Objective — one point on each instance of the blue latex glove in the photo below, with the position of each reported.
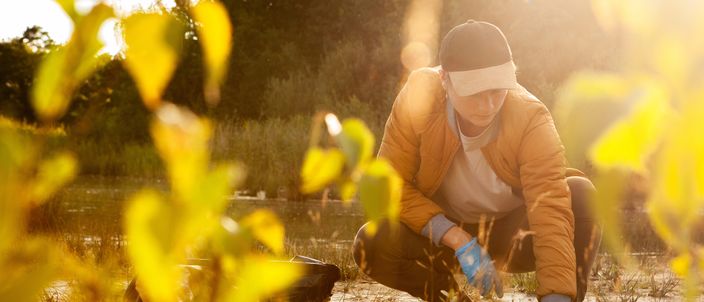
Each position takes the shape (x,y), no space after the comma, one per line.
(479,269)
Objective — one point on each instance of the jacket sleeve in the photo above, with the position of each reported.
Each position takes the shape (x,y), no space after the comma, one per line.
(400,146)
(542,173)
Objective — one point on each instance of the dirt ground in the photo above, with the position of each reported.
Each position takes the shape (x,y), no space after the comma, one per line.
(366,290)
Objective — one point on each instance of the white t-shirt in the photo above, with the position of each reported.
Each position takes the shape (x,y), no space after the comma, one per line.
(470,187)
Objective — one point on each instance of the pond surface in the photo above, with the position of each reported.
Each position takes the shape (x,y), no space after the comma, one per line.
(92,207)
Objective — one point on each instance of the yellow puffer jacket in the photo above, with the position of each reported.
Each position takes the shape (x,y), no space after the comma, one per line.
(527,154)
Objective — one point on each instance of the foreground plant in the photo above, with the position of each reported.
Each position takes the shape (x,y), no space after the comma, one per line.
(645,118)
(163,229)
(351,165)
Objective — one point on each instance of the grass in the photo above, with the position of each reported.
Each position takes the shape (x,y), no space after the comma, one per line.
(132,159)
(31,129)
(91,208)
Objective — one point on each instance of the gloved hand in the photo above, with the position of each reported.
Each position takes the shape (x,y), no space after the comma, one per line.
(479,269)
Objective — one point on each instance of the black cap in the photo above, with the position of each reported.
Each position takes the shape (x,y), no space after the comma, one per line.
(473,45)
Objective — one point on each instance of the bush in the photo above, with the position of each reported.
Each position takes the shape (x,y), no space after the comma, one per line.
(271,150)
(354,71)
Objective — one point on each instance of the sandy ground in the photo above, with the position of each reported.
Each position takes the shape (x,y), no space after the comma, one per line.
(365,290)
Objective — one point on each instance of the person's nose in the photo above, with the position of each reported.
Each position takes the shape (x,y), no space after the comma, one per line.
(486,105)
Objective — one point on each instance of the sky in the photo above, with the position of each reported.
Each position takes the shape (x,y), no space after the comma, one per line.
(17,15)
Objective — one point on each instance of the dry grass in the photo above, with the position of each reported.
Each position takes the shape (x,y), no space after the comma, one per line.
(85,221)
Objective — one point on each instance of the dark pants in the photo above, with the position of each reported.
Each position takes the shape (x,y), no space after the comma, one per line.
(399,258)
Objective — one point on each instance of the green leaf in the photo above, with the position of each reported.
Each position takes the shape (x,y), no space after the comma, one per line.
(154,43)
(266,228)
(380,191)
(152,230)
(260,278)
(53,174)
(356,142)
(64,69)
(320,168)
(215,35)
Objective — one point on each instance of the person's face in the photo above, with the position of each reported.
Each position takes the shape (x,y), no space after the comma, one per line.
(479,108)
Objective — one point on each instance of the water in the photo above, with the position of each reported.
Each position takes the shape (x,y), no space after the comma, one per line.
(92,208)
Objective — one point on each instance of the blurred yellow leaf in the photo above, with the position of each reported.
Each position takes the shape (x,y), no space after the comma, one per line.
(380,191)
(152,230)
(64,69)
(16,152)
(206,201)
(70,8)
(153,46)
(692,143)
(27,269)
(260,278)
(672,60)
(320,167)
(181,138)
(677,197)
(357,142)
(52,175)
(631,140)
(682,264)
(215,35)
(594,99)
(662,40)
(266,228)
(606,207)
(231,239)
(211,194)
(666,223)
(348,189)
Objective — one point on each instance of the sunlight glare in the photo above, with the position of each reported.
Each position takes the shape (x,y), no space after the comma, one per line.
(421,33)
(111,36)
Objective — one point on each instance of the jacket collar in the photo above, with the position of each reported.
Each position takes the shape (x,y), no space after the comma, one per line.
(451,118)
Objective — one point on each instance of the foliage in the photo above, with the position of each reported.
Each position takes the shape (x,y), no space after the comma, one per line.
(650,112)
(162,230)
(347,62)
(75,61)
(272,149)
(352,166)
(26,181)
(18,60)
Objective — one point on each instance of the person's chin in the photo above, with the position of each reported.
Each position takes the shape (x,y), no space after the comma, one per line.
(482,121)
